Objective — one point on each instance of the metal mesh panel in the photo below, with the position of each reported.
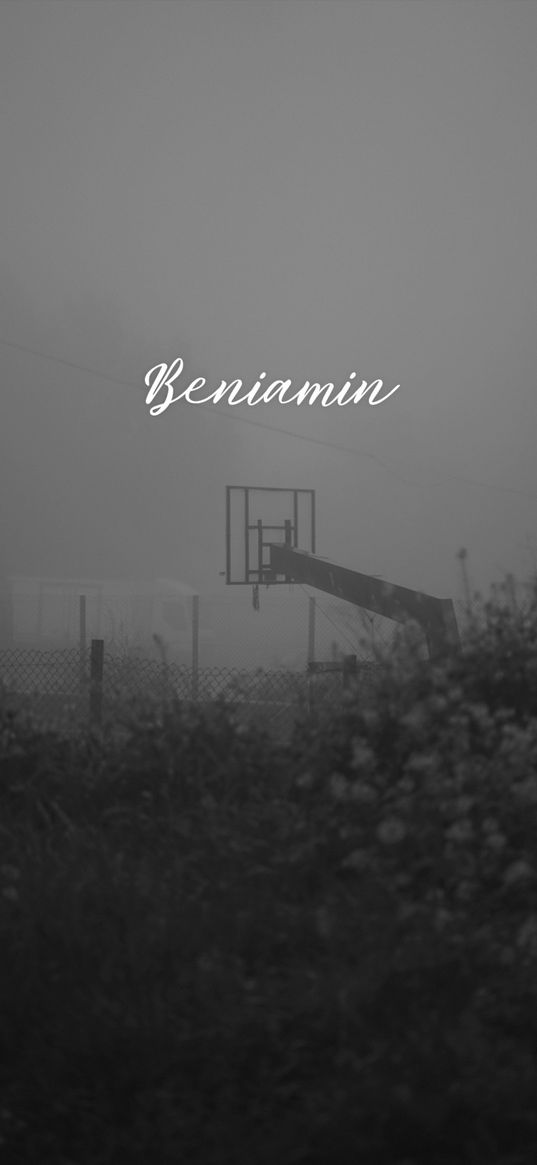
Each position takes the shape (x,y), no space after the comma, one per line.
(55,687)
(51,685)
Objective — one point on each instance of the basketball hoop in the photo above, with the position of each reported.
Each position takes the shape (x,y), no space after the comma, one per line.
(259,517)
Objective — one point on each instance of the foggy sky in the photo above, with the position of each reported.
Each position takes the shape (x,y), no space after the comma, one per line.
(297,187)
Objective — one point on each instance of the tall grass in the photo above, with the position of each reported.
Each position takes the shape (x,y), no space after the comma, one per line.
(221,949)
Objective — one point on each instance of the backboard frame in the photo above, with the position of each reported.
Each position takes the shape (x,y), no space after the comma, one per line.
(264,533)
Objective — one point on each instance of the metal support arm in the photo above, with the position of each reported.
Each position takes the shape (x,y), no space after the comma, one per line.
(435,616)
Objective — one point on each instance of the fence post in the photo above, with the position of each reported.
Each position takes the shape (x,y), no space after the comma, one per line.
(82,638)
(311,629)
(165,685)
(349,669)
(311,648)
(195,644)
(96,680)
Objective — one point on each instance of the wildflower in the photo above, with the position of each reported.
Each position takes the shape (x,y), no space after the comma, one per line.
(305,781)
(463,805)
(490,825)
(11,893)
(362,755)
(414,720)
(504,715)
(526,790)
(442,919)
(480,714)
(438,704)
(456,694)
(495,841)
(357,860)
(364,792)
(391,831)
(10,873)
(460,831)
(339,787)
(422,763)
(527,935)
(369,718)
(519,871)
(464,891)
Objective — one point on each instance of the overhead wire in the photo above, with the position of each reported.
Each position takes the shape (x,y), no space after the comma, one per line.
(341,631)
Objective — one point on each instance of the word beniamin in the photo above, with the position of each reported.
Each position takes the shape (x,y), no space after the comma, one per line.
(161,378)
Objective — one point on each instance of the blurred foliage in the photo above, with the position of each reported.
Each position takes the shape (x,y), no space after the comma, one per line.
(220,948)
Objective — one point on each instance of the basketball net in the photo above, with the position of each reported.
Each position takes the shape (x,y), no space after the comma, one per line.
(255,597)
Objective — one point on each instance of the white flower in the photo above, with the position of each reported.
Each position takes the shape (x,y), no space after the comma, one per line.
(456,694)
(519,871)
(438,704)
(421,763)
(460,831)
(369,718)
(480,714)
(495,841)
(415,720)
(391,831)
(526,790)
(305,781)
(362,755)
(442,918)
(339,787)
(463,805)
(362,791)
(527,935)
(357,860)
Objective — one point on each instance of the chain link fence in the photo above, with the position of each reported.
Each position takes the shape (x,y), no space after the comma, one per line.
(69,689)
(256,658)
(277,628)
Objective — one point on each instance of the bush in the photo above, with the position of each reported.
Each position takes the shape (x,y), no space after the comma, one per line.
(222,949)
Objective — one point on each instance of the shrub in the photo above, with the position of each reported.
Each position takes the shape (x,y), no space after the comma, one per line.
(222,949)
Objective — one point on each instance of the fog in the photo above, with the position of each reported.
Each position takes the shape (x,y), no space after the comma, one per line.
(301,189)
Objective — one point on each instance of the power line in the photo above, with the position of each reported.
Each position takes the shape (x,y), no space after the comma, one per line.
(68,363)
(278,429)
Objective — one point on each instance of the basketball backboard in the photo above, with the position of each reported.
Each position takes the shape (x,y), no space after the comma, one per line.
(258,516)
